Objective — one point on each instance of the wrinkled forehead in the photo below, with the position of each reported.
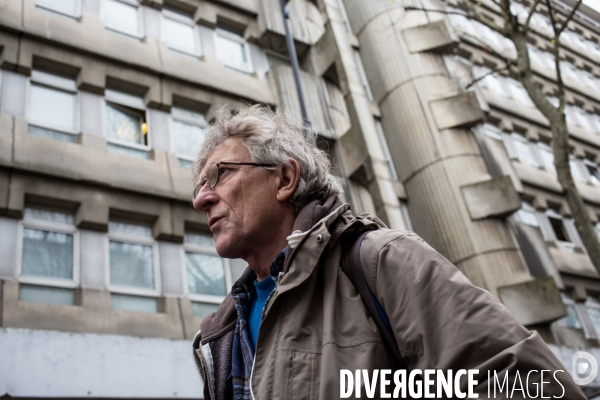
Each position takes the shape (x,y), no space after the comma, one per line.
(231,149)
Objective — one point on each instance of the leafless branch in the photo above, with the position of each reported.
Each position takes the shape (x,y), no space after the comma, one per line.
(559,82)
(482,77)
(569,18)
(531,12)
(551,14)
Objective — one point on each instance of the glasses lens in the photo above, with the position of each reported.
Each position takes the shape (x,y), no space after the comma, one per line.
(212,175)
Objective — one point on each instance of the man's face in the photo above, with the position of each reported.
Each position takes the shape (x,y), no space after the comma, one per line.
(242,207)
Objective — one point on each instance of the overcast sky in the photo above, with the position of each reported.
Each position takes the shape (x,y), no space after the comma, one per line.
(595,4)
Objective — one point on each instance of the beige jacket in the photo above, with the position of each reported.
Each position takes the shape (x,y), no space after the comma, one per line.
(315,324)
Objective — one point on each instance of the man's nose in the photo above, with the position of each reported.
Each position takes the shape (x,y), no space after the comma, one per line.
(205,199)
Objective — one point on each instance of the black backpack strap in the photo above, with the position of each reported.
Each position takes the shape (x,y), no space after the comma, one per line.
(351,266)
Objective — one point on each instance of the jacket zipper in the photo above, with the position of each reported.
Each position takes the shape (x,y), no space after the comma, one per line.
(201,366)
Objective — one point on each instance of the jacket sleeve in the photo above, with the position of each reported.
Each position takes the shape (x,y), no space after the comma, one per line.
(442,321)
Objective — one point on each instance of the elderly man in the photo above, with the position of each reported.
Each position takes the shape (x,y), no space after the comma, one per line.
(294,319)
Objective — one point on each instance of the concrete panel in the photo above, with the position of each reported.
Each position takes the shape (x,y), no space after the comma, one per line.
(207,41)
(494,198)
(13,94)
(171,267)
(536,177)
(152,22)
(70,365)
(9,55)
(533,302)
(434,36)
(90,8)
(40,154)
(6,139)
(8,247)
(91,113)
(159,129)
(90,33)
(93,314)
(10,14)
(572,262)
(457,111)
(93,259)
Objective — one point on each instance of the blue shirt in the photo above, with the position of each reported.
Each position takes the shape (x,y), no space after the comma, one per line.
(257,303)
(258,298)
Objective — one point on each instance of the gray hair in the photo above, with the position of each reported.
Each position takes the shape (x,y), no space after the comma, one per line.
(273,137)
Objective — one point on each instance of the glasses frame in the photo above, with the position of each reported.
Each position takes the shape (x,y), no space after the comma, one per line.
(219,163)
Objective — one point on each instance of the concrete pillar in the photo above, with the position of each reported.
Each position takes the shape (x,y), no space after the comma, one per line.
(433,163)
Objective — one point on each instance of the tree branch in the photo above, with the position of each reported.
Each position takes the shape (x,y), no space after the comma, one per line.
(531,12)
(486,75)
(569,18)
(559,82)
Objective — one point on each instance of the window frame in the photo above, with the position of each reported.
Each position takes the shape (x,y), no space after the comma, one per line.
(188,120)
(517,137)
(189,21)
(124,99)
(362,75)
(385,148)
(141,29)
(591,164)
(133,239)
(208,250)
(49,7)
(30,223)
(236,38)
(46,80)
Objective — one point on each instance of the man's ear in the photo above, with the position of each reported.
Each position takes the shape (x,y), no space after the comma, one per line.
(288,180)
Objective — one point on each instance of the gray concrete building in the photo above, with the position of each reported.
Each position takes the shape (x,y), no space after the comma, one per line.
(105,268)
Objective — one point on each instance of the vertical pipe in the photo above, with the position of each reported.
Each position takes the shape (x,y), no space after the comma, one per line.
(295,67)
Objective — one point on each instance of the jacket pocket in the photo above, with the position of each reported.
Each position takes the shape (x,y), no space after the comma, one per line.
(305,375)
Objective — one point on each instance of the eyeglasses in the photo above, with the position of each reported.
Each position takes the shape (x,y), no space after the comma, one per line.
(213,173)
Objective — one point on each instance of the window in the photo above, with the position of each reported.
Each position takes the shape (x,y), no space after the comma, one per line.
(53,107)
(189,132)
(208,276)
(125,123)
(546,156)
(571,320)
(492,82)
(406,215)
(593,171)
(577,170)
(71,8)
(525,150)
(122,16)
(385,149)
(179,31)
(592,308)
(133,266)
(527,215)
(556,222)
(362,75)
(48,267)
(232,50)
(518,92)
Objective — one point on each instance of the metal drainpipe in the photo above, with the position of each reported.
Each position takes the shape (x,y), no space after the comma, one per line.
(295,67)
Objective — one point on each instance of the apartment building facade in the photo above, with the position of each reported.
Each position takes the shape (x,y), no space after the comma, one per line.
(106,270)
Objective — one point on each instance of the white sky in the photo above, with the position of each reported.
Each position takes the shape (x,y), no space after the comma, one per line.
(595,4)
